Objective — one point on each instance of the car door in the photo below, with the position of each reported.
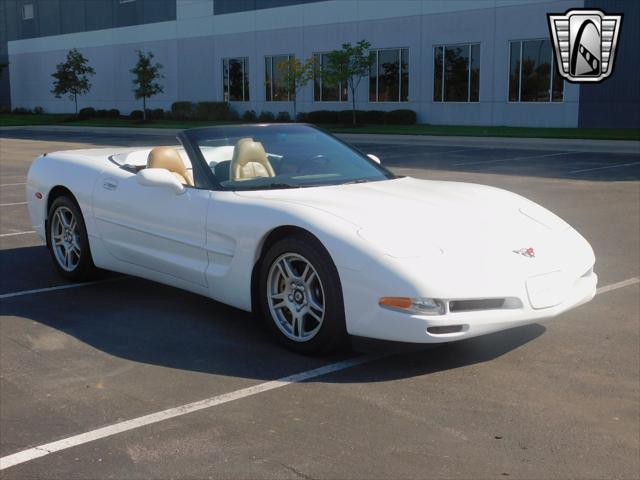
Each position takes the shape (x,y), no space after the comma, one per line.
(153,227)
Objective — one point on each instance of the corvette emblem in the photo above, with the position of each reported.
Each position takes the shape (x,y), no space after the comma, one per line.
(526,252)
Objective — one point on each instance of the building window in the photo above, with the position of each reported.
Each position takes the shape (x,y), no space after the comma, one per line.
(276,87)
(532,76)
(28,11)
(235,79)
(389,76)
(323,92)
(456,73)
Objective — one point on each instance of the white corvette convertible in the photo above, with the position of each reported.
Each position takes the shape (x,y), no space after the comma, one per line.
(318,238)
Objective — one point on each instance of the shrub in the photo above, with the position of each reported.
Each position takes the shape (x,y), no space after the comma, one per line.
(21,111)
(38,110)
(214,111)
(283,117)
(395,117)
(335,116)
(249,116)
(113,113)
(303,117)
(101,113)
(401,117)
(345,117)
(155,114)
(136,115)
(266,117)
(182,110)
(5,109)
(375,117)
(323,116)
(87,112)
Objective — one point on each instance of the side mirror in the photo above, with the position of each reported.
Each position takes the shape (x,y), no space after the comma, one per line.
(374,158)
(160,177)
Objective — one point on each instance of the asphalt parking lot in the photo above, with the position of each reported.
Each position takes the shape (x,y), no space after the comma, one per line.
(553,400)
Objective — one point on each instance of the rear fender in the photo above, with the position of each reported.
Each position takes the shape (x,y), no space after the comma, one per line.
(77,173)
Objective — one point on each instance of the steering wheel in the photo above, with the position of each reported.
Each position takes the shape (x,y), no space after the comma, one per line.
(314,159)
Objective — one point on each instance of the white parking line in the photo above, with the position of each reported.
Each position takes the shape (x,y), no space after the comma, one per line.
(53,289)
(11,184)
(616,286)
(16,233)
(604,168)
(46,449)
(11,204)
(109,430)
(483,162)
(443,152)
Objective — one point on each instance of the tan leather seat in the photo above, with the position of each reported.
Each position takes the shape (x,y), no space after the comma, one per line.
(169,159)
(249,161)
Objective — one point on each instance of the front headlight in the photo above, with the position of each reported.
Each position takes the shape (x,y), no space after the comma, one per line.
(416,306)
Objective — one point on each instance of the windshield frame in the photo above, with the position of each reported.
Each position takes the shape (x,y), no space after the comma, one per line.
(203,174)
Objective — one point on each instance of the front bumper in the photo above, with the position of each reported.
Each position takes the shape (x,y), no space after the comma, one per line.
(398,326)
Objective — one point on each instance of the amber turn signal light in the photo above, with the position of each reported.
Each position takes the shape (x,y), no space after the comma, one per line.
(418,306)
(395,302)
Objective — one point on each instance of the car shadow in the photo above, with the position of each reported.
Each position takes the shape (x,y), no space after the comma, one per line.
(149,323)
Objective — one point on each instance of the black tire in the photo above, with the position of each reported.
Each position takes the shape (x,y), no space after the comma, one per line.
(85,269)
(332,333)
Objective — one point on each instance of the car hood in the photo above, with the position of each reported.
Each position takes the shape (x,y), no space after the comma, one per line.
(412,218)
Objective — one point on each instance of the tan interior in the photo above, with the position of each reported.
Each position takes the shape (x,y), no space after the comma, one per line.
(249,161)
(169,159)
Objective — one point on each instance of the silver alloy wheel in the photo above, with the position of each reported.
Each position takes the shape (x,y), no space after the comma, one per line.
(65,239)
(296,297)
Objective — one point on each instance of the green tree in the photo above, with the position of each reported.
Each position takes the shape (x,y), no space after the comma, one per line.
(146,73)
(296,75)
(349,66)
(72,77)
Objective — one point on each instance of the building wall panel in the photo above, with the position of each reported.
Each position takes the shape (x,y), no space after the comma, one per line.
(616,101)
(192,47)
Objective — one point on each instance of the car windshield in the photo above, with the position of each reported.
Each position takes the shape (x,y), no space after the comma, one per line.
(258,157)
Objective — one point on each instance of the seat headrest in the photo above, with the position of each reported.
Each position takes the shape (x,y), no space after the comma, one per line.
(167,158)
(248,151)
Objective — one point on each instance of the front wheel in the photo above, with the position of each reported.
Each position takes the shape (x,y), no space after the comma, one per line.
(301,296)
(68,241)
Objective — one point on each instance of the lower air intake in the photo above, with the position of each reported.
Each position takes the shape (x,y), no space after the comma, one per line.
(445,329)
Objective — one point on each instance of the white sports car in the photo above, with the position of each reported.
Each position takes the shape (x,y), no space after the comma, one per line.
(317,237)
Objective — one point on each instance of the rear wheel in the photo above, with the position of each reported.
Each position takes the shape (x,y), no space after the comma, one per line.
(68,241)
(301,296)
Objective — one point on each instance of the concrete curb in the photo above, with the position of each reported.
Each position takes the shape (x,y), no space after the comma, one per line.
(97,130)
(570,145)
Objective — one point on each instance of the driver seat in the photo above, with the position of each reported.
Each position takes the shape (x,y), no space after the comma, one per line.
(169,159)
(250,161)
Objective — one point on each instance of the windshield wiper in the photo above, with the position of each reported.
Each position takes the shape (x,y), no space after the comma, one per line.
(283,185)
(270,186)
(359,180)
